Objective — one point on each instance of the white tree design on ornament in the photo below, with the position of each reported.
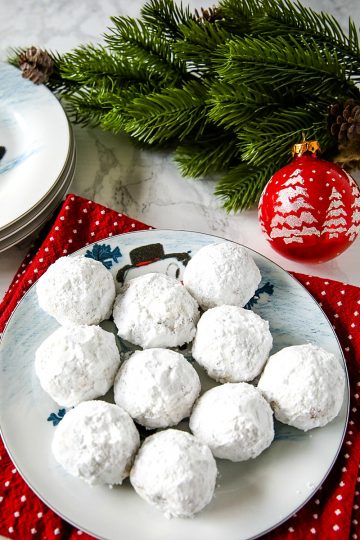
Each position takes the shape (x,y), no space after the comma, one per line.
(355,216)
(334,223)
(292,198)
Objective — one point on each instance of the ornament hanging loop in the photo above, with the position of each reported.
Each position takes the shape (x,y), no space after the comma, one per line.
(305,146)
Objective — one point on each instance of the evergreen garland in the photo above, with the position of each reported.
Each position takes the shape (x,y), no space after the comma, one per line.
(231,90)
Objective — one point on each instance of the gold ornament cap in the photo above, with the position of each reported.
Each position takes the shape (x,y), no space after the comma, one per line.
(305,146)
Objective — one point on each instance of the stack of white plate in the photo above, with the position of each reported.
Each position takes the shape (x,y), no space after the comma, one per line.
(37,156)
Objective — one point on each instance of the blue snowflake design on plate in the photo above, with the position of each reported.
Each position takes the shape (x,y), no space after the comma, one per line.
(56,418)
(104,254)
(268,289)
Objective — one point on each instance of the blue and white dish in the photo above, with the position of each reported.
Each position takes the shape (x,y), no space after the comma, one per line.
(252,497)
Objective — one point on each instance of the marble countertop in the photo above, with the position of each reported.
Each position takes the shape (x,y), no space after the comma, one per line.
(145,185)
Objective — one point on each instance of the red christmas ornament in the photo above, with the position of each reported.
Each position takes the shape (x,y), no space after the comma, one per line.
(310,209)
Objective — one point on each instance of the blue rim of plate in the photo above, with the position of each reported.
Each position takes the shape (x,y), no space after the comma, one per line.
(315,489)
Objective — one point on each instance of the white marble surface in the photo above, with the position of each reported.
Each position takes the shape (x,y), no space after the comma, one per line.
(143,184)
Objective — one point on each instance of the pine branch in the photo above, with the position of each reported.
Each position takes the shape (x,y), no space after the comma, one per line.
(101,86)
(240,188)
(238,15)
(99,107)
(285,17)
(198,41)
(165,16)
(233,106)
(90,65)
(174,113)
(269,139)
(353,38)
(94,66)
(132,39)
(85,107)
(116,109)
(57,83)
(13,59)
(234,93)
(290,63)
(210,155)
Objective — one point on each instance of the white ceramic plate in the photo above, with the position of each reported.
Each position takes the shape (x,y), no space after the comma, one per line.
(33,221)
(65,178)
(35,133)
(252,497)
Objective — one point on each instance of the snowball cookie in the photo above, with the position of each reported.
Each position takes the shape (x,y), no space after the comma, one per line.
(304,385)
(175,472)
(96,441)
(77,363)
(155,310)
(222,274)
(231,343)
(234,420)
(77,290)
(157,387)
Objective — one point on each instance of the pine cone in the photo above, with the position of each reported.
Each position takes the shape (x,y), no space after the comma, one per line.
(36,65)
(344,121)
(211,14)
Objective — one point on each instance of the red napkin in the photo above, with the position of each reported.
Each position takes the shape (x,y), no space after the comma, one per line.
(332,513)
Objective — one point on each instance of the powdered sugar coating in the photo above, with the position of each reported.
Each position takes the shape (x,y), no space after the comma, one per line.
(76,290)
(232,343)
(174,472)
(155,310)
(77,363)
(157,387)
(304,385)
(234,420)
(96,441)
(220,274)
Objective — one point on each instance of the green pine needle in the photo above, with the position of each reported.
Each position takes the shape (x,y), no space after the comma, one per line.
(238,15)
(270,139)
(174,113)
(197,44)
(240,188)
(233,106)
(284,63)
(85,107)
(95,66)
(133,39)
(165,16)
(210,155)
(99,107)
(285,17)
(115,109)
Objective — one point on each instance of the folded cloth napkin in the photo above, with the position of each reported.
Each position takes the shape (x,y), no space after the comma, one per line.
(332,513)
